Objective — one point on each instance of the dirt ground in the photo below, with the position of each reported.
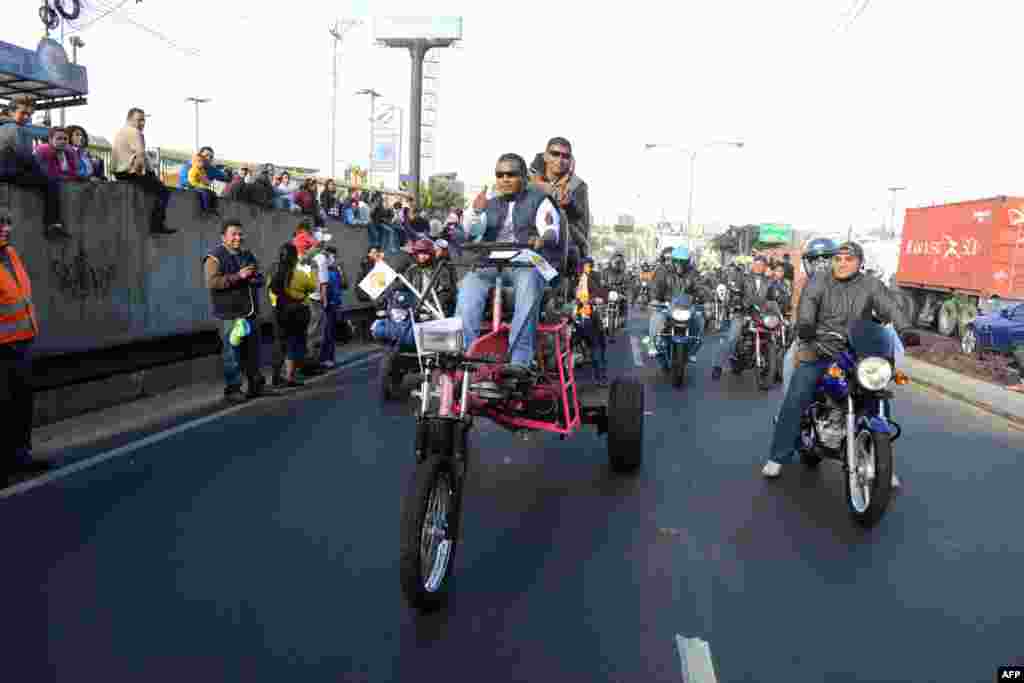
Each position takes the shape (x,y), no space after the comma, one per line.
(945,352)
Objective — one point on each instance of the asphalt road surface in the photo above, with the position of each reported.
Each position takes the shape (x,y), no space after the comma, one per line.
(262,546)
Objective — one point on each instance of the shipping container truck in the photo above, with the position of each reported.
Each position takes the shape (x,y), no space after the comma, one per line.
(953,257)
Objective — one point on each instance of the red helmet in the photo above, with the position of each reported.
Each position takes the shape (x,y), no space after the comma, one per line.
(422,246)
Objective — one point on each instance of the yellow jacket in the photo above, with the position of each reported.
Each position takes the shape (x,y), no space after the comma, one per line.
(197,174)
(302,284)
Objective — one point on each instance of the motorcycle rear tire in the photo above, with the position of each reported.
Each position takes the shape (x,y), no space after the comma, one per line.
(389,383)
(625,425)
(809,459)
(881,490)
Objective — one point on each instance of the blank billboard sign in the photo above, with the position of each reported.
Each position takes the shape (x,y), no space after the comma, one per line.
(412,28)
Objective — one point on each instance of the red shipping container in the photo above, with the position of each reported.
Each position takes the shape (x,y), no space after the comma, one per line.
(975,247)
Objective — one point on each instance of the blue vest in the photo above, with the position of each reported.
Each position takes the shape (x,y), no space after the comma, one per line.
(334,291)
(237,302)
(524,220)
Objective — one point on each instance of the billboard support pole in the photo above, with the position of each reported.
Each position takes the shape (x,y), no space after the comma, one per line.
(417,51)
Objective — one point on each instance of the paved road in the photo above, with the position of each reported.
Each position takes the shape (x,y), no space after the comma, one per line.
(262,547)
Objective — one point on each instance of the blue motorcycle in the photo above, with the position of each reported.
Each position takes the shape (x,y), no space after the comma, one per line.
(394,328)
(680,338)
(850,419)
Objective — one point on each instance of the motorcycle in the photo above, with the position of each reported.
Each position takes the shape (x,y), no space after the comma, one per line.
(612,313)
(675,345)
(850,418)
(717,310)
(643,295)
(756,348)
(394,329)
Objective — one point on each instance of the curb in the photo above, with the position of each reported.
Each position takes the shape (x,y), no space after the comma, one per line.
(964,398)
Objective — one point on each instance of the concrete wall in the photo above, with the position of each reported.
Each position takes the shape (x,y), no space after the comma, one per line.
(115,283)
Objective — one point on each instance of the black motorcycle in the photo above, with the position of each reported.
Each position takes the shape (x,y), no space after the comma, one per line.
(755,348)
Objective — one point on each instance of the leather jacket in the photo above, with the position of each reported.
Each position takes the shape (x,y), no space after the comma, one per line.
(830,305)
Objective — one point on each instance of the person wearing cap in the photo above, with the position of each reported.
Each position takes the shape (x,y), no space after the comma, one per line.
(18,330)
(754,288)
(420,272)
(829,303)
(313,260)
(589,286)
(442,258)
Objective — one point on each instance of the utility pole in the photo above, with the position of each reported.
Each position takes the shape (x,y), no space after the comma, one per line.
(338,31)
(373,101)
(76,43)
(892,209)
(197,101)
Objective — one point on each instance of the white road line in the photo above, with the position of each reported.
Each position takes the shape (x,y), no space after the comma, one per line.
(695,659)
(127,449)
(638,354)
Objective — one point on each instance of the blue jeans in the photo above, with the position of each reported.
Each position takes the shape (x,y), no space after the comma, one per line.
(244,358)
(330,346)
(598,345)
(727,345)
(529,288)
(799,396)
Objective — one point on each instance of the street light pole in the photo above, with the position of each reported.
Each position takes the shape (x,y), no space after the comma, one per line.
(693,168)
(338,31)
(892,209)
(373,101)
(197,101)
(76,43)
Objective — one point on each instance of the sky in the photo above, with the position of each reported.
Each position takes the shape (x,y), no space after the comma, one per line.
(832,113)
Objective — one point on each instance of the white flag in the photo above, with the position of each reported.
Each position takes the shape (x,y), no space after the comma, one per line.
(378,279)
(539,262)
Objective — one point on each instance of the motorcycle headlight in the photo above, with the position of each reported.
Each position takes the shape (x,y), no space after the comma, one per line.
(874,373)
(722,292)
(613,296)
(441,336)
(399,315)
(771,321)
(680,315)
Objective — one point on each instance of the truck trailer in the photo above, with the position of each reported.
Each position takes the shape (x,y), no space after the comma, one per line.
(955,256)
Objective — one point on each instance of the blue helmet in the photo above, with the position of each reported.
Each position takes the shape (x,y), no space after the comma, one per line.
(681,254)
(818,253)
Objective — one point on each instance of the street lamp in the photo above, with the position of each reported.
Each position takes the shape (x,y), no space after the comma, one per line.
(692,152)
(373,101)
(338,31)
(76,43)
(197,101)
(892,209)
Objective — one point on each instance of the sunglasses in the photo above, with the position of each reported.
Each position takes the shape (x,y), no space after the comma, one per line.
(560,155)
(506,174)
(5,220)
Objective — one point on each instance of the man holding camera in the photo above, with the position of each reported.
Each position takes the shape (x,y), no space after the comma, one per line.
(233,277)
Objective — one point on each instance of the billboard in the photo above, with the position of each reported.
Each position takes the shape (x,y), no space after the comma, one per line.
(44,74)
(624,223)
(385,154)
(411,28)
(775,233)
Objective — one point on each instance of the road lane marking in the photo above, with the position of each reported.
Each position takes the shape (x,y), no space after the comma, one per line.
(695,660)
(130,448)
(637,352)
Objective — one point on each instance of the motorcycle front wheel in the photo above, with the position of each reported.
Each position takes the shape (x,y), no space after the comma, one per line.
(429,529)
(766,373)
(869,484)
(679,363)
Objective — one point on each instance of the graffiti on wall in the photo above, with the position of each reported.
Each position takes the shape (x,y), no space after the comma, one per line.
(78,277)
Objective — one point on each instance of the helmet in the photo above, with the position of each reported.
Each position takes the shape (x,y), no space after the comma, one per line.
(817,254)
(666,254)
(422,246)
(852,249)
(681,254)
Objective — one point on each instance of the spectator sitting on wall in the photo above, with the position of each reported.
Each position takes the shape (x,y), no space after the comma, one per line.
(212,172)
(261,190)
(329,199)
(234,188)
(246,175)
(349,212)
(18,164)
(57,158)
(199,180)
(130,165)
(89,166)
(283,192)
(307,201)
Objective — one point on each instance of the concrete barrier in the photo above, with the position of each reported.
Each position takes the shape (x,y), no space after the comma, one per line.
(114,283)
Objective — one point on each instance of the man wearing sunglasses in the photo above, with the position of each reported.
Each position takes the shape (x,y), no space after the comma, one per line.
(522,215)
(830,302)
(554,173)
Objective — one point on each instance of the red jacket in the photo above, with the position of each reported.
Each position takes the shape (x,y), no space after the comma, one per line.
(46,155)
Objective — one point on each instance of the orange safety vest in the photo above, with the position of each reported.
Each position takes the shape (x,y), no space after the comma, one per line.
(17,314)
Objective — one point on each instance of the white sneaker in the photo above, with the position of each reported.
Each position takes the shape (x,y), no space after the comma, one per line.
(771,469)
(328,364)
(896,483)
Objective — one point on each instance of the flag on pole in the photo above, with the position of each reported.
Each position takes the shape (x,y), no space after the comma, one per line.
(378,279)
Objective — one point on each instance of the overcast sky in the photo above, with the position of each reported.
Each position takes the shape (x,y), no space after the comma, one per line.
(912,93)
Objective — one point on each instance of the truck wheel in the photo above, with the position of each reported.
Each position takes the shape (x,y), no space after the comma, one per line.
(947,321)
(625,424)
(910,306)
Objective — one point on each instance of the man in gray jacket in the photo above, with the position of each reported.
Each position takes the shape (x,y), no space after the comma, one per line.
(553,173)
(18,163)
(829,303)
